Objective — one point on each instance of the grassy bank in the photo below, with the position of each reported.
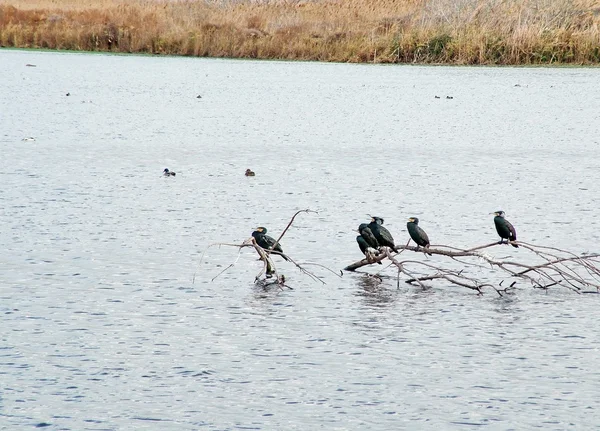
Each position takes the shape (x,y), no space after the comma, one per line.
(385,31)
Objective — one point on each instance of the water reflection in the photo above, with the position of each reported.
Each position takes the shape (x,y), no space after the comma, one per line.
(508,307)
(373,292)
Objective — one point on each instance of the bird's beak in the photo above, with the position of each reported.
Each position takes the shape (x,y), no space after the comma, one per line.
(411,219)
(495,213)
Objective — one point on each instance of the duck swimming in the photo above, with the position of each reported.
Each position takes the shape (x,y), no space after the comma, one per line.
(249,173)
(168,173)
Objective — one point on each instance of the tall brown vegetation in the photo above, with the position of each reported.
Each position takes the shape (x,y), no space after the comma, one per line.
(383,31)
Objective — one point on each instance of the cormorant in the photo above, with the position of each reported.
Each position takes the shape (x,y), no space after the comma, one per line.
(417,234)
(368,236)
(384,237)
(249,173)
(168,173)
(504,228)
(367,242)
(265,241)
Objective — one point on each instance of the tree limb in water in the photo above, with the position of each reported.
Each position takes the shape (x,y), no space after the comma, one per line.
(557,267)
(269,269)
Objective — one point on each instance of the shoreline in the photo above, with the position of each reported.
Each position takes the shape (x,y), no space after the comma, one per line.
(148,55)
(356,31)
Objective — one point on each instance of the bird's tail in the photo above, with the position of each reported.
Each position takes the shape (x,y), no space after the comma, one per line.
(429,254)
(514,245)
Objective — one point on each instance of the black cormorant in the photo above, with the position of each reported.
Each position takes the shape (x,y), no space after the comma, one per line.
(384,237)
(265,241)
(504,228)
(249,173)
(367,242)
(417,234)
(168,173)
(368,236)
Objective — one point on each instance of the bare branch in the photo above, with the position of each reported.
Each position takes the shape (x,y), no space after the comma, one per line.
(558,267)
(290,223)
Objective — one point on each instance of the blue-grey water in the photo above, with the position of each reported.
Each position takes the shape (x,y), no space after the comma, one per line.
(110,320)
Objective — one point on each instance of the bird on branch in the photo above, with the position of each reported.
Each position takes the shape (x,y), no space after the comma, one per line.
(267,242)
(417,234)
(384,237)
(505,229)
(367,242)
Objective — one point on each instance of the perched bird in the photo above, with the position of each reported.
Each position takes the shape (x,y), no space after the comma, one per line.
(504,228)
(367,242)
(265,241)
(168,173)
(417,234)
(249,173)
(384,237)
(367,235)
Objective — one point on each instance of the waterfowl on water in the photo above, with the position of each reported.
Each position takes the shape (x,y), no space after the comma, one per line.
(168,173)
(417,234)
(505,229)
(383,236)
(265,241)
(249,173)
(367,242)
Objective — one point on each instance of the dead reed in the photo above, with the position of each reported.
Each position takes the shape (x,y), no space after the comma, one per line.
(381,31)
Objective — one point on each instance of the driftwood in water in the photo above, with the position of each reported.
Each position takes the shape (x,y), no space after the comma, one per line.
(555,266)
(268,275)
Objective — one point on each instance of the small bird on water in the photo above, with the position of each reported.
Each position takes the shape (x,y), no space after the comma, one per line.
(168,173)
(417,234)
(505,229)
(249,173)
(367,242)
(267,242)
(384,237)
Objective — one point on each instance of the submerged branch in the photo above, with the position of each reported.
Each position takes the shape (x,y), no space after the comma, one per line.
(269,269)
(559,267)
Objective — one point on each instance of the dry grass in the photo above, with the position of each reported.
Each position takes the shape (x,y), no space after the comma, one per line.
(422,31)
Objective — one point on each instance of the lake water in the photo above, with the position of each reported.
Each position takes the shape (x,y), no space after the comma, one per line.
(109,317)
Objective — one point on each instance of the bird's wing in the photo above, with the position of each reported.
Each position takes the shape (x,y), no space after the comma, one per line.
(362,244)
(271,242)
(423,235)
(513,232)
(370,239)
(386,235)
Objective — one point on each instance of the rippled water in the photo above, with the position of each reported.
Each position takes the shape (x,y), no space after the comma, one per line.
(104,328)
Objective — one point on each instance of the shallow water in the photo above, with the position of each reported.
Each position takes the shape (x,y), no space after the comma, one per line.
(110,319)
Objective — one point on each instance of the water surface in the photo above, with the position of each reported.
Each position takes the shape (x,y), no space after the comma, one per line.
(103,327)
